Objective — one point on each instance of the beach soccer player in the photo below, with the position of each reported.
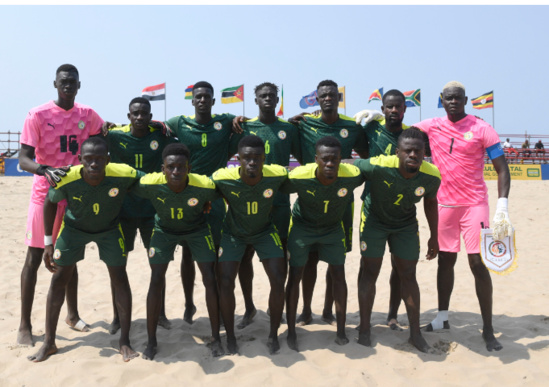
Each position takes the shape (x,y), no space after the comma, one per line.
(250,191)
(179,197)
(324,190)
(52,135)
(397,183)
(94,192)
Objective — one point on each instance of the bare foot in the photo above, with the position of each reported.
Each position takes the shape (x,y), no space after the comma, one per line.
(43,353)
(292,341)
(232,347)
(78,325)
(492,344)
(341,339)
(150,351)
(304,319)
(419,342)
(24,338)
(115,326)
(429,327)
(364,339)
(273,345)
(216,348)
(247,319)
(164,322)
(189,313)
(329,318)
(128,353)
(393,324)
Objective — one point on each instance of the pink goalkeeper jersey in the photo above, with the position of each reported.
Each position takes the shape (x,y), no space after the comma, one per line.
(56,135)
(458,150)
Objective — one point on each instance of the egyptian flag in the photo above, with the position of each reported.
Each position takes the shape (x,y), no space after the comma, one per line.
(413,97)
(377,95)
(281,110)
(154,93)
(232,94)
(484,101)
(189,92)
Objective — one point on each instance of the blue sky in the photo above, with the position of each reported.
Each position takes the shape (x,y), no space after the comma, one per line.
(119,50)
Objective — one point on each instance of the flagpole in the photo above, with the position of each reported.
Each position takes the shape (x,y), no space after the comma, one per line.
(345,99)
(493,111)
(165,98)
(243,101)
(420,112)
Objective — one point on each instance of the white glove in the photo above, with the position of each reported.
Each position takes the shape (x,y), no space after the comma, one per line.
(368,116)
(502,225)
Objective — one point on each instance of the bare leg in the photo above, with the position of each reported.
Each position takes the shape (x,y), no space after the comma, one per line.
(246,277)
(445,284)
(367,295)
(188,274)
(339,291)
(276,271)
(162,319)
(327,315)
(395,297)
(309,280)
(212,303)
(292,298)
(115,323)
(226,274)
(158,282)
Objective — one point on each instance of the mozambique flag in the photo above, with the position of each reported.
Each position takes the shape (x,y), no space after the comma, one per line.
(189,92)
(484,101)
(377,95)
(232,94)
(281,110)
(413,97)
(341,97)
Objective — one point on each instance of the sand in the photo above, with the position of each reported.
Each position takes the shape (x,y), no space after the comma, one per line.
(521,321)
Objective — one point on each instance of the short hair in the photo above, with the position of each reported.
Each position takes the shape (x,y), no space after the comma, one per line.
(393,93)
(140,100)
(413,133)
(328,141)
(95,141)
(265,84)
(457,84)
(327,82)
(204,84)
(67,67)
(252,142)
(176,149)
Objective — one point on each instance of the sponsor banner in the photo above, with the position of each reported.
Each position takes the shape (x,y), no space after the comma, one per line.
(518,172)
(545,172)
(12,168)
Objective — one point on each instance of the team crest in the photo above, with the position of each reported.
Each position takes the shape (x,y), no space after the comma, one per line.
(220,253)
(57,254)
(468,135)
(497,249)
(81,125)
(342,192)
(29,235)
(152,252)
(267,193)
(282,135)
(217,125)
(419,191)
(154,145)
(344,133)
(363,246)
(113,192)
(192,202)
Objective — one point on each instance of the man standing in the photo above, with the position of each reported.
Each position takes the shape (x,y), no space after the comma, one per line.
(52,134)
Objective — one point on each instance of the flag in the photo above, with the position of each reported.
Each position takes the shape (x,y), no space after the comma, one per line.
(281,110)
(189,92)
(377,95)
(440,105)
(308,101)
(484,101)
(413,97)
(154,93)
(232,94)
(342,97)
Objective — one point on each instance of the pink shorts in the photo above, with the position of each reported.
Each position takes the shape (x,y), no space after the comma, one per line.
(35,224)
(453,221)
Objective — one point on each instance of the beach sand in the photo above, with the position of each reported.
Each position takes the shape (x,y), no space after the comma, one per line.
(521,321)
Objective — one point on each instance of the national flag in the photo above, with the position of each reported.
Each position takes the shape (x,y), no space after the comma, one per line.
(232,94)
(342,97)
(440,105)
(189,92)
(308,100)
(484,101)
(413,97)
(377,95)
(281,110)
(154,93)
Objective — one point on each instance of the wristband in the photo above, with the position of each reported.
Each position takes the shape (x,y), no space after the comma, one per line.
(48,240)
(502,204)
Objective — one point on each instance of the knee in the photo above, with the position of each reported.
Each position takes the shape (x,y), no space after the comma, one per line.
(226,283)
(208,279)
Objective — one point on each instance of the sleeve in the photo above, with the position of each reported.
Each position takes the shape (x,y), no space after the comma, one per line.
(233,143)
(366,168)
(288,186)
(173,124)
(56,195)
(213,194)
(31,133)
(361,142)
(433,189)
(96,123)
(141,190)
(134,182)
(491,143)
(424,125)
(295,149)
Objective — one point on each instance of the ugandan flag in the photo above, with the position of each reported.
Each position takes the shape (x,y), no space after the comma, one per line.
(232,94)
(413,97)
(189,92)
(484,101)
(377,95)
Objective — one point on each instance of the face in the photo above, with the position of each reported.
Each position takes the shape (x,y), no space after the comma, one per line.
(328,160)
(94,159)
(176,168)
(393,108)
(251,161)
(328,98)
(266,98)
(454,101)
(203,100)
(67,84)
(140,115)
(410,154)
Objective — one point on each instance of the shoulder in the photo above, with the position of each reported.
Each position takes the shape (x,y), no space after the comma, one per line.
(274,170)
(153,179)
(348,170)
(306,171)
(429,169)
(201,181)
(385,161)
(41,108)
(120,129)
(72,175)
(347,120)
(119,170)
(226,174)
(83,107)
(223,117)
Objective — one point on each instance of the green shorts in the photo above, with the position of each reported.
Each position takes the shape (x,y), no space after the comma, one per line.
(348,217)
(281,220)
(330,245)
(71,243)
(215,219)
(163,245)
(403,241)
(130,227)
(266,244)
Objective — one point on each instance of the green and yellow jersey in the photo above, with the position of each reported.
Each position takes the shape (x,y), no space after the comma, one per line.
(392,197)
(94,209)
(250,207)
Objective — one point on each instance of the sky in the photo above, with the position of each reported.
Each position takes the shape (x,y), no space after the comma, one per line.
(119,50)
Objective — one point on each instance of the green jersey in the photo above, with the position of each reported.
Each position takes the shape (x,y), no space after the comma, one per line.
(141,153)
(94,209)
(249,206)
(208,143)
(321,207)
(178,212)
(345,129)
(392,199)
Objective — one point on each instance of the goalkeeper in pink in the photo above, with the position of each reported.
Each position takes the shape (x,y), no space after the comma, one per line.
(52,134)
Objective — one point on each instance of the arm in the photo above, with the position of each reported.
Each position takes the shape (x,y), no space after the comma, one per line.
(504,177)
(27,163)
(430,205)
(236,123)
(50,210)
(26,159)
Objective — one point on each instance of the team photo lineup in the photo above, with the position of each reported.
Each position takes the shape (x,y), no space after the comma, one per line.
(169,183)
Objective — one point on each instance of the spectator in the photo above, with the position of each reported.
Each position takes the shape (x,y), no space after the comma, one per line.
(526,148)
(539,147)
(507,144)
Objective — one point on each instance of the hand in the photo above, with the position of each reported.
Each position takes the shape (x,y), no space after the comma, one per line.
(53,175)
(47,257)
(236,124)
(159,125)
(368,116)
(207,207)
(502,224)
(317,113)
(432,248)
(295,119)
(106,127)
